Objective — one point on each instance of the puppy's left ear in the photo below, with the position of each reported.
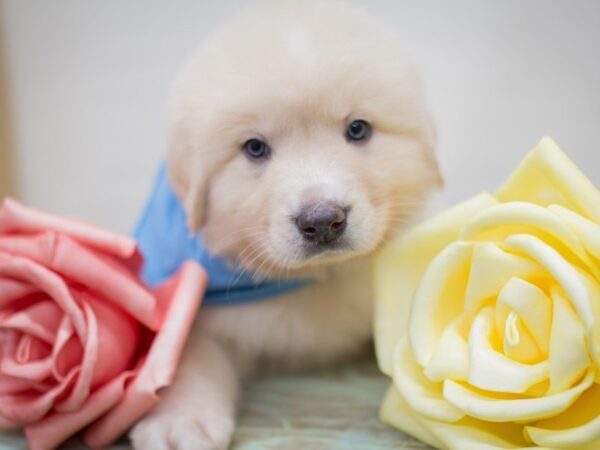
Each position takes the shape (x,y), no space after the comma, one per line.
(195,205)
(188,178)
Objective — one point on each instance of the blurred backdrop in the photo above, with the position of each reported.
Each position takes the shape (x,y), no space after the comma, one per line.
(85,86)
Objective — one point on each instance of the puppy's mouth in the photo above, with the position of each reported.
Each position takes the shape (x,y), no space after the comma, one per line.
(310,256)
(316,250)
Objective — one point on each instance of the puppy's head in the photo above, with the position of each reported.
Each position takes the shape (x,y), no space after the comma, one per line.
(300,137)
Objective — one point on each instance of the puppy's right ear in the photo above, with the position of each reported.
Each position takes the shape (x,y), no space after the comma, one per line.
(189,181)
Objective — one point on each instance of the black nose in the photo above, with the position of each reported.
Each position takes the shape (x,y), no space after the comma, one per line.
(321,223)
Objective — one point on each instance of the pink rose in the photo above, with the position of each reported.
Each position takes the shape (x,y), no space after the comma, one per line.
(83,343)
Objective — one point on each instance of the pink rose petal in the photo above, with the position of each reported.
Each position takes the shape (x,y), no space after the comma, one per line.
(83,384)
(181,298)
(30,348)
(101,274)
(94,270)
(32,360)
(34,371)
(6,424)
(118,338)
(48,433)
(11,290)
(15,217)
(11,385)
(67,350)
(8,339)
(38,247)
(40,320)
(17,267)
(30,407)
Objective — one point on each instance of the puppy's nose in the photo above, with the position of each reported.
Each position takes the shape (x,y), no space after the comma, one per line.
(321,223)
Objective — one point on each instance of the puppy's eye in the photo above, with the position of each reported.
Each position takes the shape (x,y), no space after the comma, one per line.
(256,149)
(359,130)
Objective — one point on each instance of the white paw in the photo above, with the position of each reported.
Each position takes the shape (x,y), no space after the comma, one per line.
(182,431)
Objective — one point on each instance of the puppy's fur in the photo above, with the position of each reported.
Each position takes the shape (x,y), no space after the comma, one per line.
(294,75)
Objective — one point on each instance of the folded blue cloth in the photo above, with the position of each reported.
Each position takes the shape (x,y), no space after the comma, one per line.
(166,242)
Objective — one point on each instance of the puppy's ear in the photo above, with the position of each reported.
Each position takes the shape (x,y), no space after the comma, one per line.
(195,205)
(189,181)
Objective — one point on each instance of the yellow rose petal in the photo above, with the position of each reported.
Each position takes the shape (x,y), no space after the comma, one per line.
(518,343)
(439,299)
(572,282)
(547,176)
(581,290)
(423,395)
(532,305)
(467,434)
(494,409)
(568,350)
(451,358)
(397,413)
(502,219)
(491,269)
(493,371)
(473,434)
(586,437)
(588,231)
(398,270)
(577,427)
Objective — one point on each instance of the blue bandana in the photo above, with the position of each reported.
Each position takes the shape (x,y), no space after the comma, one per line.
(166,242)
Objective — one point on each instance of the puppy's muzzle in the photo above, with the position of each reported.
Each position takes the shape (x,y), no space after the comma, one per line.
(322,223)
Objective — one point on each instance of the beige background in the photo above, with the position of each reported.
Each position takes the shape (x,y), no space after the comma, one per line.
(89,83)
(7,175)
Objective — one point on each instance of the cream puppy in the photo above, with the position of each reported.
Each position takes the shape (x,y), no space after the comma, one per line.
(301,142)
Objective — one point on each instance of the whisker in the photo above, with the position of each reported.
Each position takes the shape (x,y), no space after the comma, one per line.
(257,272)
(222,242)
(257,253)
(251,249)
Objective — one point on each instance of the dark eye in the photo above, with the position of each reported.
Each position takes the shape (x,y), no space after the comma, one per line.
(359,130)
(256,149)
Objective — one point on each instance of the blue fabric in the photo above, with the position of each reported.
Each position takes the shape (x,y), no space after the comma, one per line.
(166,242)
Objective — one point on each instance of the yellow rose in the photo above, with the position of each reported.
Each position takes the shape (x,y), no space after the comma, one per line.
(487,316)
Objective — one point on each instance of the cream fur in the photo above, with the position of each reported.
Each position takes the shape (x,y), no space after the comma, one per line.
(294,74)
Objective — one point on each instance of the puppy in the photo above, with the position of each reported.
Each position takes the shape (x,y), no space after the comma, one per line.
(300,143)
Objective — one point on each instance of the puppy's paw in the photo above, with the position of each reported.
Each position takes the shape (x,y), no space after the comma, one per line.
(183,431)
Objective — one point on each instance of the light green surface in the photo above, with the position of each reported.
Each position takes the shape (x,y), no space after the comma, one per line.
(333,410)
